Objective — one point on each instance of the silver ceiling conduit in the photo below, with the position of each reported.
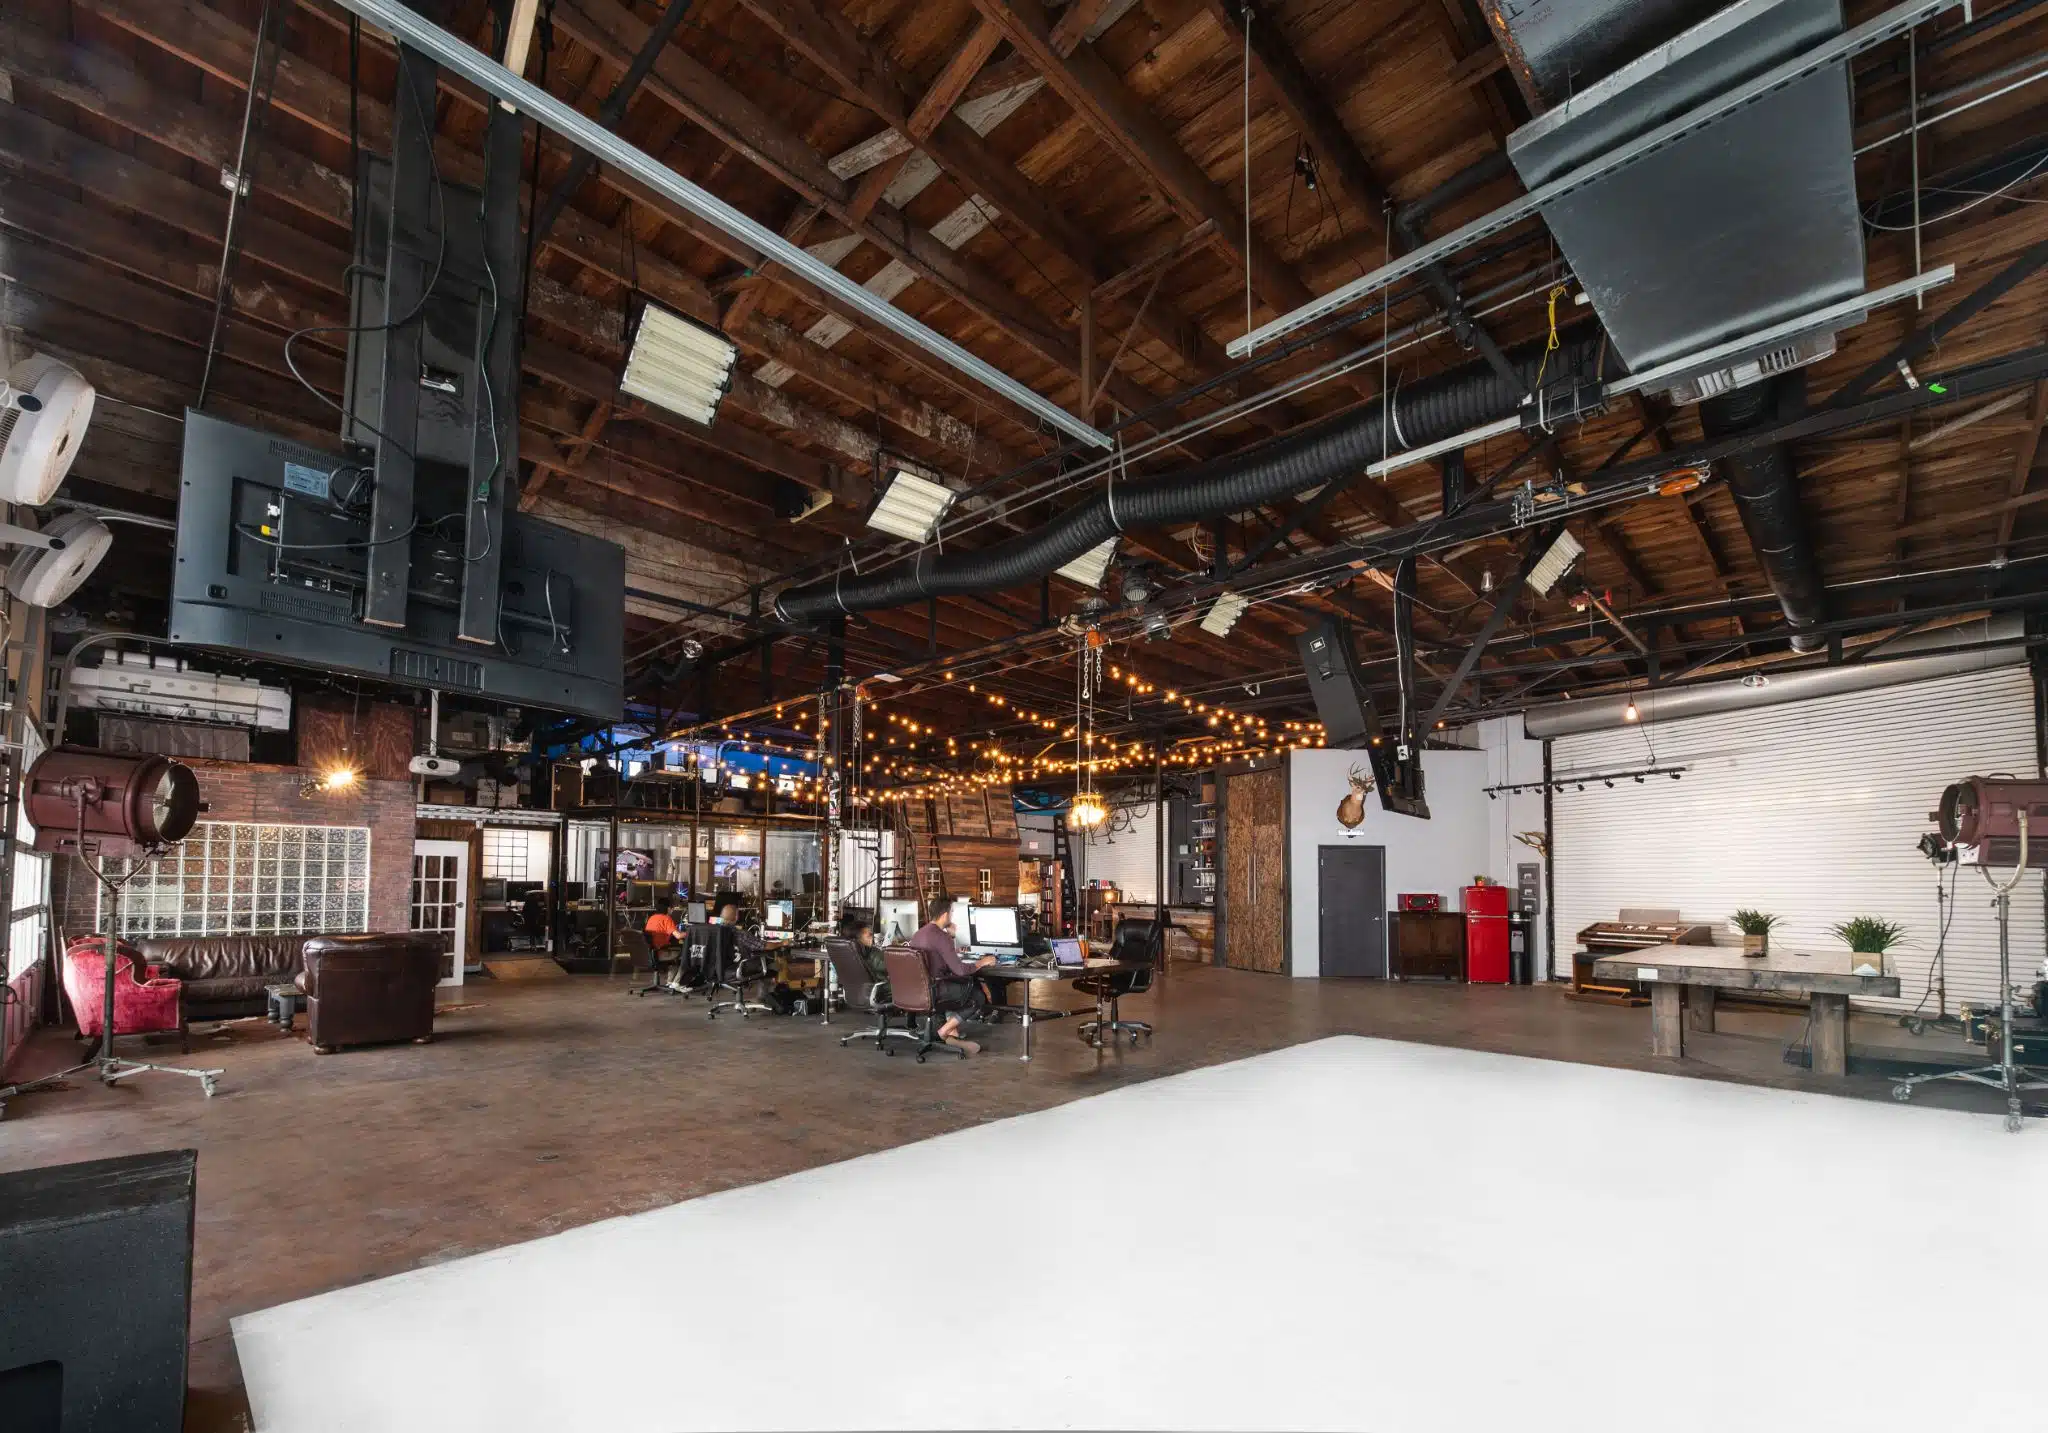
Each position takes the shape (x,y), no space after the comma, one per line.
(1978,646)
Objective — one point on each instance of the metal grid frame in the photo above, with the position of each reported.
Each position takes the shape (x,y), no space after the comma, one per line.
(244,878)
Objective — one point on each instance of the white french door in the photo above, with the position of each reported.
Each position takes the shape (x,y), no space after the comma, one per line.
(440,900)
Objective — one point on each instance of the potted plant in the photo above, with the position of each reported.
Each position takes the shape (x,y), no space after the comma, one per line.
(1870,935)
(1756,931)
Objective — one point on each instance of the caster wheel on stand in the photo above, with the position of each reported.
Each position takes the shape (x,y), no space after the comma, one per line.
(920,1057)
(1902,1093)
(207,1084)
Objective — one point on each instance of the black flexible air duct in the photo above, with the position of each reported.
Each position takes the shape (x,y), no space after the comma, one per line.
(1423,412)
(1766,488)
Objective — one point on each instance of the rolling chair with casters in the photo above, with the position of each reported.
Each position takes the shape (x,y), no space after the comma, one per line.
(729,969)
(665,963)
(864,993)
(910,991)
(1135,940)
(586,932)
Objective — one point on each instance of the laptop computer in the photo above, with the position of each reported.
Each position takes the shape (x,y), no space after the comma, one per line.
(1067,952)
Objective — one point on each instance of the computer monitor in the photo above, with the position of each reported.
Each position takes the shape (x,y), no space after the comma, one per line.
(895,921)
(781,915)
(494,891)
(961,908)
(697,914)
(992,926)
(573,890)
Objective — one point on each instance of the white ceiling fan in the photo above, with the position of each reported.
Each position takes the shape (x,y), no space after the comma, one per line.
(45,408)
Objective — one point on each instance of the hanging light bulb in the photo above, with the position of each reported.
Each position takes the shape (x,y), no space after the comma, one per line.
(1629,712)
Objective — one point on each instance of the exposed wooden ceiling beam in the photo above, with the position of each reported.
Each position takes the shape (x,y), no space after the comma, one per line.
(2023,465)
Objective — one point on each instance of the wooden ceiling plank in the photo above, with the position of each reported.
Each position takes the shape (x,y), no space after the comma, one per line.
(2023,466)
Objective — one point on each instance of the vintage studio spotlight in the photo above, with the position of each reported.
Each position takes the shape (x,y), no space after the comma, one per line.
(97,805)
(1988,821)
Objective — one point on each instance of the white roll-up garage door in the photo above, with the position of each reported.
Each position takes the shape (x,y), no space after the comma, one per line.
(1124,852)
(1810,810)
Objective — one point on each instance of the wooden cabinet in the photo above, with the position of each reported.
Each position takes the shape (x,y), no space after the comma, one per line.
(1426,943)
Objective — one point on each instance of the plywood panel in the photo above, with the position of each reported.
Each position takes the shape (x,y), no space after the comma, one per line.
(1002,815)
(968,813)
(1255,873)
(376,738)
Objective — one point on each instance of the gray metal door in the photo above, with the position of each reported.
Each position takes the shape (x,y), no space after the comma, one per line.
(1351,896)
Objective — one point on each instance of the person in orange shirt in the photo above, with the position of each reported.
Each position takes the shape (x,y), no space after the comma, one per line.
(661,927)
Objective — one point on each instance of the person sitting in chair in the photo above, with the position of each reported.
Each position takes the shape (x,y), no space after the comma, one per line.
(660,929)
(956,994)
(862,933)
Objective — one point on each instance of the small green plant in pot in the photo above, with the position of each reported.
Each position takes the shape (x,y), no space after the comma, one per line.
(1870,935)
(1756,931)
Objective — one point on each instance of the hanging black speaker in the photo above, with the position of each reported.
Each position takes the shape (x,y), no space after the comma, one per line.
(1342,705)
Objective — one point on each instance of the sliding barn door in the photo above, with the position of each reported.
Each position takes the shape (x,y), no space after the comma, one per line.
(1255,870)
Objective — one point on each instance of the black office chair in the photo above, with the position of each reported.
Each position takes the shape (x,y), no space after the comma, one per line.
(586,931)
(736,970)
(1135,940)
(863,992)
(665,963)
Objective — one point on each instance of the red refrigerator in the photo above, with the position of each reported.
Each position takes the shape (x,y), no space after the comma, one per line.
(1486,934)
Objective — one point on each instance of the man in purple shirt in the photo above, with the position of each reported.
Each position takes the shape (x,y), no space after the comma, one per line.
(956,994)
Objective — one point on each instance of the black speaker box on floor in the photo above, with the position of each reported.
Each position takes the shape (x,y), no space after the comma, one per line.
(96,1294)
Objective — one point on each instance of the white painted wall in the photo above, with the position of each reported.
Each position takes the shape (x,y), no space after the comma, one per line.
(1441,854)
(1808,810)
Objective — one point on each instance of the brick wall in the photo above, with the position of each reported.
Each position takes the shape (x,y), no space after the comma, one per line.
(269,795)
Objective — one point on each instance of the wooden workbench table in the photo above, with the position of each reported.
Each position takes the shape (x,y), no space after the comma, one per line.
(1690,975)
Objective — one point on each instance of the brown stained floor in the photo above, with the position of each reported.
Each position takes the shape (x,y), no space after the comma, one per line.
(548,1104)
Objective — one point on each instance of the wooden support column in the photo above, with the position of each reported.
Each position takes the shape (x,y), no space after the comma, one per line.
(1699,1008)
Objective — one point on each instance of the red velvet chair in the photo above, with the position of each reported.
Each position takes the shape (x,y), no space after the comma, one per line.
(141,1007)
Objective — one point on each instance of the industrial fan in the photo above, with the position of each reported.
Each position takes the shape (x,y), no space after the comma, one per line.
(45,408)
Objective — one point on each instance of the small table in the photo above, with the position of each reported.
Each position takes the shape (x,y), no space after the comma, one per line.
(1695,972)
(1036,973)
(285,1002)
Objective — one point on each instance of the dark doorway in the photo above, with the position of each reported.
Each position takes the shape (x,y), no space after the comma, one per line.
(1351,897)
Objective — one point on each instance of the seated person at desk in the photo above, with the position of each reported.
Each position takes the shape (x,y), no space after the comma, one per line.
(862,934)
(956,994)
(660,929)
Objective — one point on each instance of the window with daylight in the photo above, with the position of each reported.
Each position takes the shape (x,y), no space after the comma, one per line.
(29,931)
(513,854)
(238,878)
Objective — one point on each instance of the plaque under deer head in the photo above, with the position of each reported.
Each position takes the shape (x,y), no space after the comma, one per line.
(1351,810)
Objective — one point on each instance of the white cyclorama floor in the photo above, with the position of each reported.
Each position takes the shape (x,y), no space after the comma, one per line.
(1354,1233)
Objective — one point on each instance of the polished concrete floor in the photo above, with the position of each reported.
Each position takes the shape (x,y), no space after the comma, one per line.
(548,1104)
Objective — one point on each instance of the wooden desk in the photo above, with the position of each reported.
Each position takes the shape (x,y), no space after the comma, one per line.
(1691,974)
(1034,974)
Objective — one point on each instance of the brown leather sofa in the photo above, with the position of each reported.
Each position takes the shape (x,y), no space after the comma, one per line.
(370,989)
(224,975)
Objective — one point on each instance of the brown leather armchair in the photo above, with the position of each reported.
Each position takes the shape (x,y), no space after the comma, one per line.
(370,989)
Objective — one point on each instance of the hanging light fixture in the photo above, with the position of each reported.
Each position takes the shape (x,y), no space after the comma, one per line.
(1629,712)
(911,507)
(678,365)
(1089,568)
(1087,811)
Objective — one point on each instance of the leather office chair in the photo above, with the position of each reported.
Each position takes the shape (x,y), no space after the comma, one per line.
(736,970)
(863,992)
(910,991)
(1135,940)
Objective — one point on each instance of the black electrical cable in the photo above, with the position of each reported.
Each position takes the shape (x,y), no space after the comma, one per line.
(419,308)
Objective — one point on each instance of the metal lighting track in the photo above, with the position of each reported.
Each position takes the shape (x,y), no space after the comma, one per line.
(495,80)
(1848,311)
(1893,22)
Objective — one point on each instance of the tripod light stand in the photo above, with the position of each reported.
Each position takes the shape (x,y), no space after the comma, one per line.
(2005,1075)
(118,805)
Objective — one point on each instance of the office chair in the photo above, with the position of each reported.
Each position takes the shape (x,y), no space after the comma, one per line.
(863,992)
(910,991)
(586,930)
(668,961)
(632,947)
(1135,940)
(736,970)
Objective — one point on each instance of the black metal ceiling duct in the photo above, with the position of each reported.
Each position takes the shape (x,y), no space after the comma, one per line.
(1766,489)
(1424,412)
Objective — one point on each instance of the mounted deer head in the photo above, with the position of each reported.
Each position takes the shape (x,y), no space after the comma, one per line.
(1351,810)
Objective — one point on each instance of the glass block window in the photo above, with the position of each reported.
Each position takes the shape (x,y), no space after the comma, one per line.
(238,878)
